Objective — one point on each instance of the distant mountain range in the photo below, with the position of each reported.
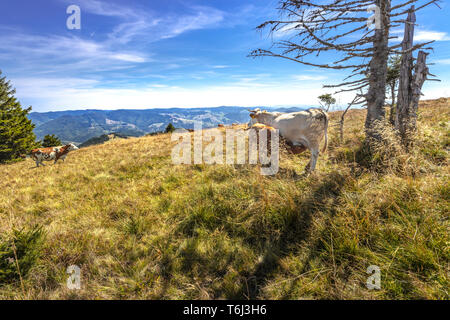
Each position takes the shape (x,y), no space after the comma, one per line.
(81,125)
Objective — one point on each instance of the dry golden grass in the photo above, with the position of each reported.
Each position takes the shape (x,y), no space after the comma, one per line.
(140,227)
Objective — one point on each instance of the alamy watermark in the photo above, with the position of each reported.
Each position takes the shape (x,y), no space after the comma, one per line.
(374,281)
(74,20)
(375,19)
(207,147)
(74,280)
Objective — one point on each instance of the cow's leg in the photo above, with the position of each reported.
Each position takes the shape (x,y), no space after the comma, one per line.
(37,163)
(313,161)
(314,149)
(306,144)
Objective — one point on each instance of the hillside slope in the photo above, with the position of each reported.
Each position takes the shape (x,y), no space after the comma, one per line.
(140,227)
(102,139)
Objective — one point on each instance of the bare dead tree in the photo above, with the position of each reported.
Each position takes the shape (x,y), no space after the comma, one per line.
(341,122)
(341,26)
(410,84)
(404,112)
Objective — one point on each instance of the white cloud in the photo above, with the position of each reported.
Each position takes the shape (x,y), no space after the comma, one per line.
(48,93)
(57,53)
(104,8)
(423,35)
(442,61)
(78,93)
(149,25)
(435,91)
(220,67)
(288,30)
(128,31)
(128,57)
(431,35)
(202,17)
(309,78)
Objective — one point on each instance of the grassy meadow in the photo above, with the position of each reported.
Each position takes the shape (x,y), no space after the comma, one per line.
(140,227)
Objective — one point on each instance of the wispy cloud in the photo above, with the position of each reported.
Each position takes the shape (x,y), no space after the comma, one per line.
(220,67)
(423,35)
(121,47)
(431,35)
(442,61)
(149,25)
(288,30)
(309,78)
(202,17)
(104,8)
(72,93)
(66,50)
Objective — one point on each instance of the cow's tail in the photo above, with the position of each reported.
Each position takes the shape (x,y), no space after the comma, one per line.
(326,131)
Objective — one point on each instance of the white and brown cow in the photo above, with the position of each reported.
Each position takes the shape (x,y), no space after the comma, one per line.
(290,147)
(52,153)
(304,129)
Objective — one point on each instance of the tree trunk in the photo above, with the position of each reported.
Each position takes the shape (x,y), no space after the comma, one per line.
(392,112)
(376,94)
(404,107)
(420,76)
(341,122)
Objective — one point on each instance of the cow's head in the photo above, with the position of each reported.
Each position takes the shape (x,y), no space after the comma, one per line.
(71,147)
(254,112)
(263,116)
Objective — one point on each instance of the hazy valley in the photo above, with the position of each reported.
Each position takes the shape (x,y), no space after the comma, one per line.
(81,125)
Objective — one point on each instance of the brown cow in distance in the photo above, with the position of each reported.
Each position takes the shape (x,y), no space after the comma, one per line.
(52,153)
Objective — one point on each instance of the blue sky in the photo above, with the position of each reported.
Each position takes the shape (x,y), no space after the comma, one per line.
(169,53)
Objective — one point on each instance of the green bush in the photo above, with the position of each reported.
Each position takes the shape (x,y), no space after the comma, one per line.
(27,245)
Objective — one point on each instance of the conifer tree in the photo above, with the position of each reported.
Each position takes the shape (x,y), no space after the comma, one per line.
(16,130)
(50,140)
(393,74)
(170,128)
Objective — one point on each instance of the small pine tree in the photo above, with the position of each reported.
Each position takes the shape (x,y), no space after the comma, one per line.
(393,75)
(16,130)
(170,128)
(51,140)
(328,100)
